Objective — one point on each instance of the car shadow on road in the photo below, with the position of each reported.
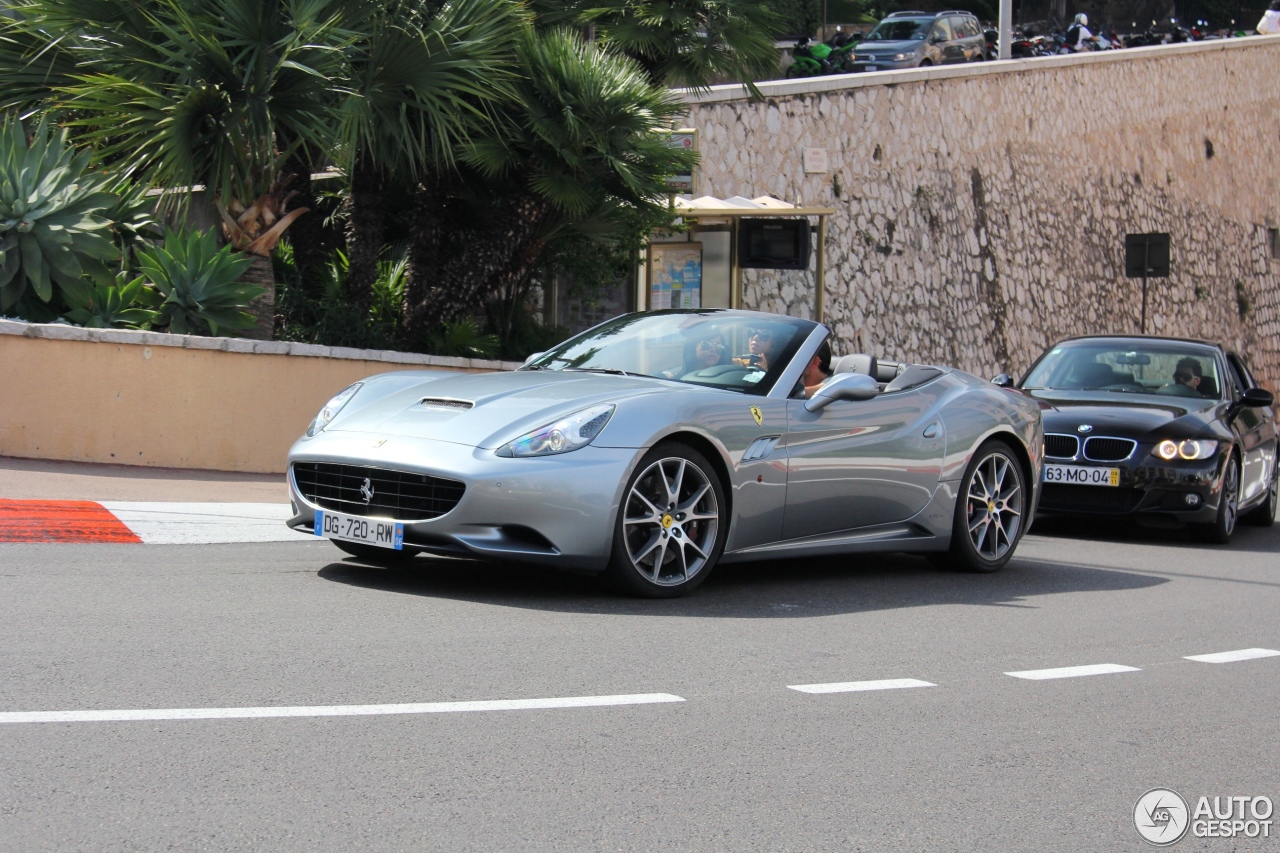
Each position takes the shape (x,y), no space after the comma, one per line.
(769,589)
(1170,534)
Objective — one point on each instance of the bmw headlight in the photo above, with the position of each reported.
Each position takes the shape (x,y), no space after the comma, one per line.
(1188,449)
(575,431)
(331,409)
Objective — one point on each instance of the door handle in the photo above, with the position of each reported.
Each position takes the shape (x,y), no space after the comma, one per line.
(932,430)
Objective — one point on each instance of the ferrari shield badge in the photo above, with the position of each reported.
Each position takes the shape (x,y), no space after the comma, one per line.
(758,415)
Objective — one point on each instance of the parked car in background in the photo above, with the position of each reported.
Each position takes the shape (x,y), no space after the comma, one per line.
(918,39)
(656,445)
(1155,428)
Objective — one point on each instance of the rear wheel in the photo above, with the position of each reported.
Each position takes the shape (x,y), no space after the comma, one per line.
(671,525)
(1265,515)
(989,512)
(377,556)
(1219,532)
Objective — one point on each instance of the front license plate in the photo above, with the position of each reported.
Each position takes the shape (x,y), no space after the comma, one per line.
(1080,475)
(871,68)
(379,532)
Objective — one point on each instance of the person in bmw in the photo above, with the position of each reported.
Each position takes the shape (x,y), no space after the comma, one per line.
(1186,379)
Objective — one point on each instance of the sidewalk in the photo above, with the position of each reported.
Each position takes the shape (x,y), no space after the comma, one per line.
(39,479)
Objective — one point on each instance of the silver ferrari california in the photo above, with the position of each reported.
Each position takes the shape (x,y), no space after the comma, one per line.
(657,445)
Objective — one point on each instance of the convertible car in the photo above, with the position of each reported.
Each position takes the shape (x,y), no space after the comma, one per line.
(1157,429)
(654,446)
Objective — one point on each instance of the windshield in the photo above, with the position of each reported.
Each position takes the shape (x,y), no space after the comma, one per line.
(742,352)
(901,29)
(1133,366)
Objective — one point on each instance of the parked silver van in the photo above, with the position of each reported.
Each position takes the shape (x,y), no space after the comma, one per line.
(918,39)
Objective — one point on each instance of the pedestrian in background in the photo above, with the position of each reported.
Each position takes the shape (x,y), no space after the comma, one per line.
(1270,23)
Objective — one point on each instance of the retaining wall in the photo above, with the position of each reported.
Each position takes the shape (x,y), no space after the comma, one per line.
(174,401)
(981,210)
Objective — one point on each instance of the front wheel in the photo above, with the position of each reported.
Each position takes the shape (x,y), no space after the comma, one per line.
(990,510)
(1220,530)
(671,525)
(1265,514)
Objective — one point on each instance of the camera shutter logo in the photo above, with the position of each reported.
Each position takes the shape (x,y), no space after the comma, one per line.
(366,490)
(1161,817)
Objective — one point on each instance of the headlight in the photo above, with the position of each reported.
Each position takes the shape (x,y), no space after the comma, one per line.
(898,57)
(331,409)
(1186,449)
(577,430)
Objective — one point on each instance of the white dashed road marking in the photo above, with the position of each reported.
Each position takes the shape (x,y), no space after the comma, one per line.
(855,686)
(1232,657)
(333,710)
(1073,671)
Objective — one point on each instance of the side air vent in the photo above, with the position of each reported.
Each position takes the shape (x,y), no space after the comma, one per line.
(760,448)
(442,403)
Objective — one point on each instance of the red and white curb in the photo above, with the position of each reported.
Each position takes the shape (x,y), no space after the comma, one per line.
(151,523)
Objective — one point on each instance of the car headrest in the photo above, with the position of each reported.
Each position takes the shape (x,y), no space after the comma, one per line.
(887,371)
(856,363)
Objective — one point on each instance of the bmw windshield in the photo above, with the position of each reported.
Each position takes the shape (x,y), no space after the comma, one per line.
(741,352)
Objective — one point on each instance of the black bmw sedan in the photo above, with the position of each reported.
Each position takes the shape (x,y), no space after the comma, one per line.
(1155,428)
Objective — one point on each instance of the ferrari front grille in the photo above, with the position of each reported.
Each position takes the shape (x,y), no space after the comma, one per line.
(376,492)
(1099,449)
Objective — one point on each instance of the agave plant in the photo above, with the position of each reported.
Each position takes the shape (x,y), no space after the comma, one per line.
(53,231)
(200,284)
(113,306)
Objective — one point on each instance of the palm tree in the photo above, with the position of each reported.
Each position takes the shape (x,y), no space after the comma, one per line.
(423,82)
(585,128)
(187,93)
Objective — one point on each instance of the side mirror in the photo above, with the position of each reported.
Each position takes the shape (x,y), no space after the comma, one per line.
(1257,398)
(1004,380)
(532,357)
(842,386)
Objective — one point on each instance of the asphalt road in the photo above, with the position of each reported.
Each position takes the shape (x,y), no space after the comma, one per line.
(981,760)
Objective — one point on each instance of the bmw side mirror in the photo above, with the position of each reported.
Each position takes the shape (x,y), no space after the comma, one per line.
(1004,380)
(842,386)
(1257,398)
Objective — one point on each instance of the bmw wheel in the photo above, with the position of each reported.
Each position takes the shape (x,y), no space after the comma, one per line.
(671,525)
(1265,514)
(989,510)
(1219,532)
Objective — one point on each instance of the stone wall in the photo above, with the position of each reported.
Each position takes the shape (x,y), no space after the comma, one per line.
(981,210)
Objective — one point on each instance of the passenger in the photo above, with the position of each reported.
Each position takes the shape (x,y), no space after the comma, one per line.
(818,370)
(707,350)
(759,347)
(1079,33)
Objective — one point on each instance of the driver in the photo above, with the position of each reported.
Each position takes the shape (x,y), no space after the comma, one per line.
(760,348)
(1186,378)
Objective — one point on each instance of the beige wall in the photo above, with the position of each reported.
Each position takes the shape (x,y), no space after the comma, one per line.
(138,398)
(981,210)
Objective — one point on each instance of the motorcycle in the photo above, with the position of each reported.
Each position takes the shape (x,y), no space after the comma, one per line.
(810,59)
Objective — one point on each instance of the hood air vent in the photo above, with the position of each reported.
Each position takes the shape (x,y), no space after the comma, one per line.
(442,403)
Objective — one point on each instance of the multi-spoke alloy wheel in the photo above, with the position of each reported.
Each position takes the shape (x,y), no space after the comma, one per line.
(990,510)
(670,525)
(1224,525)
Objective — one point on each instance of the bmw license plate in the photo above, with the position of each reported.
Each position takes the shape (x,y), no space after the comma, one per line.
(1081,475)
(379,532)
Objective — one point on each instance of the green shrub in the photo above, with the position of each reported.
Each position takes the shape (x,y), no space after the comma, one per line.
(200,284)
(53,231)
(113,306)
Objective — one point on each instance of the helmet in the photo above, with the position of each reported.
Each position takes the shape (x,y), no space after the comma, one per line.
(1082,19)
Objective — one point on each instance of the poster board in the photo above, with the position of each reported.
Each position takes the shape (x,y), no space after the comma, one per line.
(675,275)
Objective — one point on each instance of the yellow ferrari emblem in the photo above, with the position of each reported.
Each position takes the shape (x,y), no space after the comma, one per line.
(380,442)
(667,521)
(758,415)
